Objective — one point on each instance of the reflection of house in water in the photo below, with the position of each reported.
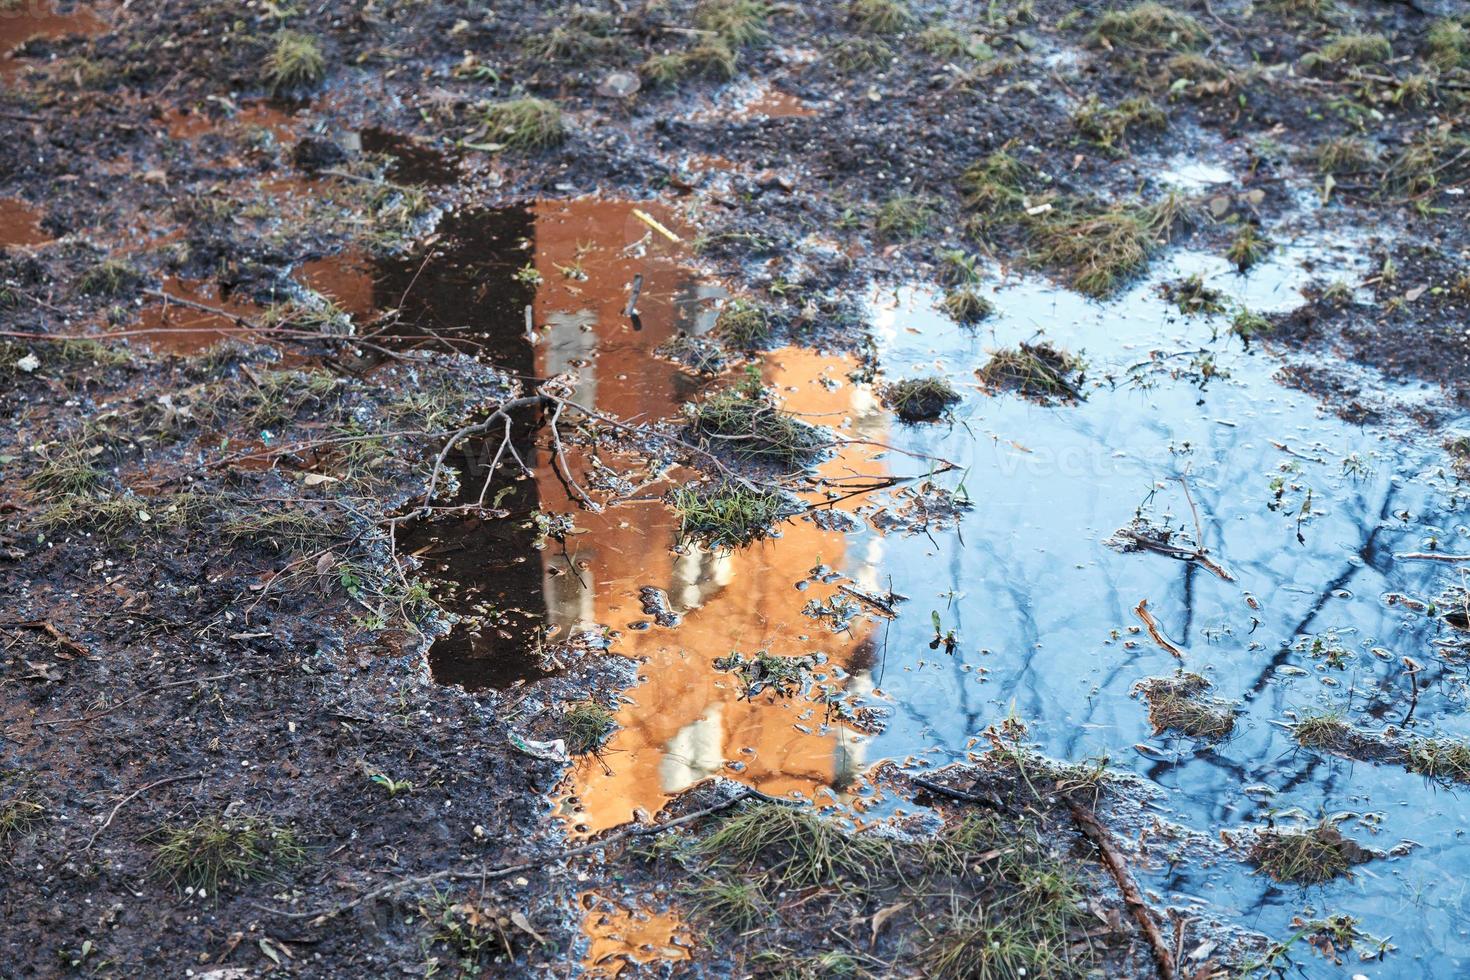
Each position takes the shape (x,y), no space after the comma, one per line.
(684,720)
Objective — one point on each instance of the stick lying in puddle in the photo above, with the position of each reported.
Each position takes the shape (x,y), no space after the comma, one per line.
(1154,631)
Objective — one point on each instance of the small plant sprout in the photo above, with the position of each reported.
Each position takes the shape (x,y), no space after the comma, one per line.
(904,216)
(1248,247)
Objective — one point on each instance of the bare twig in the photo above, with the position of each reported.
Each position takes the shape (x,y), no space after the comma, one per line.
(1087,822)
(133,796)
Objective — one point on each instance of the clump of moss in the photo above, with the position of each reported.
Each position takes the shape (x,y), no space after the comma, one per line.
(799,848)
(1177,704)
(966,307)
(881,16)
(750,425)
(295,64)
(586,726)
(710,59)
(855,54)
(1150,25)
(1248,247)
(904,216)
(728,515)
(994,182)
(1193,297)
(525,124)
(737,22)
(1108,126)
(1420,166)
(1038,371)
(110,277)
(1344,154)
(217,850)
(745,324)
(920,399)
(1308,857)
(1350,49)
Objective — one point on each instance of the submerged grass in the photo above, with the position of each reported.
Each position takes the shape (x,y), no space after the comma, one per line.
(1177,704)
(966,307)
(750,425)
(920,399)
(736,904)
(1309,857)
(1441,759)
(727,515)
(1039,371)
(1325,731)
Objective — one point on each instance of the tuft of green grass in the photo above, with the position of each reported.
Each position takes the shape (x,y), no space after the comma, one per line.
(799,848)
(734,904)
(1420,166)
(1350,49)
(965,306)
(1441,759)
(67,469)
(946,41)
(217,850)
(904,216)
(286,530)
(855,54)
(1038,371)
(1099,250)
(583,33)
(1247,324)
(749,424)
(784,676)
(295,64)
(587,726)
(712,58)
(1150,25)
(1303,8)
(746,324)
(1176,704)
(1248,247)
(1308,857)
(20,814)
(881,16)
(737,22)
(1343,155)
(1447,44)
(920,399)
(728,515)
(110,277)
(1324,731)
(994,182)
(975,941)
(112,517)
(1108,126)
(526,123)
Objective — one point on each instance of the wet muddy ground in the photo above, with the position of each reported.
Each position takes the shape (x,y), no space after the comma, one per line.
(734,489)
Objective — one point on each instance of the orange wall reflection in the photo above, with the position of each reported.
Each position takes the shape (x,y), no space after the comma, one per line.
(685,720)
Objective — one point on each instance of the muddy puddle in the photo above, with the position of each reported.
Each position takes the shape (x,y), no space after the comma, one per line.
(1012,558)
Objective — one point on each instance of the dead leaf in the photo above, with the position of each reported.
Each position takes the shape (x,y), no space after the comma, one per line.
(882,916)
(317,479)
(519,920)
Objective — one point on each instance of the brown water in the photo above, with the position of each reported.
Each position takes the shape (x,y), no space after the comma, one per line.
(42,19)
(174,328)
(20,224)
